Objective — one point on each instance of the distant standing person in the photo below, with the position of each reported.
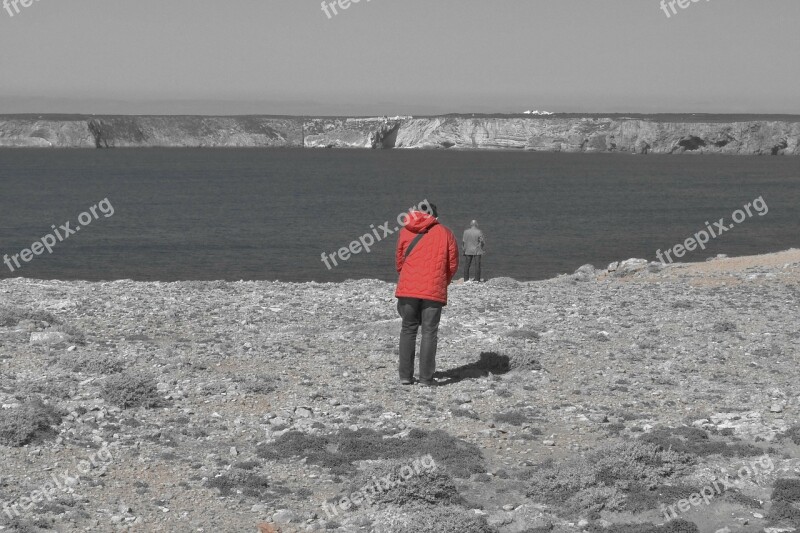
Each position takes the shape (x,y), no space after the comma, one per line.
(427,261)
(474,247)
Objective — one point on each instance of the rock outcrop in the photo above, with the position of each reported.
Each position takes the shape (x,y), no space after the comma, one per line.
(194,131)
(150,131)
(602,135)
(39,133)
(640,135)
(351,133)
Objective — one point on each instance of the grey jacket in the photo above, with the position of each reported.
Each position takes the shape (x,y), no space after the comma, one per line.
(473,242)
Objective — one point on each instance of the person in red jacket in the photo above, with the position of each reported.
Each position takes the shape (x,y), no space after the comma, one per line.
(427,261)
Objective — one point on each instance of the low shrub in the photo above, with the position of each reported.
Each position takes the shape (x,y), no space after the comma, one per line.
(127,390)
(255,382)
(611,478)
(12,316)
(793,434)
(464,413)
(695,441)
(514,418)
(340,450)
(673,526)
(786,489)
(236,480)
(426,483)
(784,511)
(30,422)
(91,363)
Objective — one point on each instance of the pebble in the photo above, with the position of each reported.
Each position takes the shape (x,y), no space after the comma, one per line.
(284,516)
(303,412)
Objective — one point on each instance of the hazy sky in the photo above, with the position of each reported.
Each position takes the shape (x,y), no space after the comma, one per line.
(399,56)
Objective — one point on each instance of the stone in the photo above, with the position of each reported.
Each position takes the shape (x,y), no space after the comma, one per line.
(284,516)
(630,266)
(499,518)
(585,273)
(303,412)
(48,338)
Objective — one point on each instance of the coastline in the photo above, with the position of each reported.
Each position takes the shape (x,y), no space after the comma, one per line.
(582,363)
(591,133)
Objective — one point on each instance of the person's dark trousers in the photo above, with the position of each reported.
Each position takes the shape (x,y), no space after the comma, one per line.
(416,312)
(468,263)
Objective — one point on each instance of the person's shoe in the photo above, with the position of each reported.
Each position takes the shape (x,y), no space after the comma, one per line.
(431,383)
(407,381)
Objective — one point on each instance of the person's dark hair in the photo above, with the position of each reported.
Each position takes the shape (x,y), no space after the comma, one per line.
(433,210)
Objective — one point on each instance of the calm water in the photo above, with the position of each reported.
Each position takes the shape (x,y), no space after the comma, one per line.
(269,214)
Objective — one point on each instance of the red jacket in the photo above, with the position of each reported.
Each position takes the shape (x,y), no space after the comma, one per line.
(430,267)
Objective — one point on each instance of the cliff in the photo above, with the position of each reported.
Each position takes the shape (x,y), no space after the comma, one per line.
(602,135)
(351,133)
(150,131)
(641,135)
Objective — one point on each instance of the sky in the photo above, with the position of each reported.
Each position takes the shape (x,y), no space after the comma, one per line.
(390,57)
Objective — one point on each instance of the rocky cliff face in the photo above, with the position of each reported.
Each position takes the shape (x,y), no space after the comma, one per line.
(351,133)
(601,135)
(28,133)
(195,131)
(151,131)
(551,134)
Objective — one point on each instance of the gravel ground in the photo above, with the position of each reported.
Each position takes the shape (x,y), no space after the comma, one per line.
(581,403)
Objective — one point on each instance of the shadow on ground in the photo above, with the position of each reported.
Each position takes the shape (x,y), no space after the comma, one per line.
(488,363)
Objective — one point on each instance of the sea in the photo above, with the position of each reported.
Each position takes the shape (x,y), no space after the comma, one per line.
(271,214)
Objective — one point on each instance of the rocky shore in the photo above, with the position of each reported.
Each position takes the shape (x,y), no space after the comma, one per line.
(595,401)
(640,134)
